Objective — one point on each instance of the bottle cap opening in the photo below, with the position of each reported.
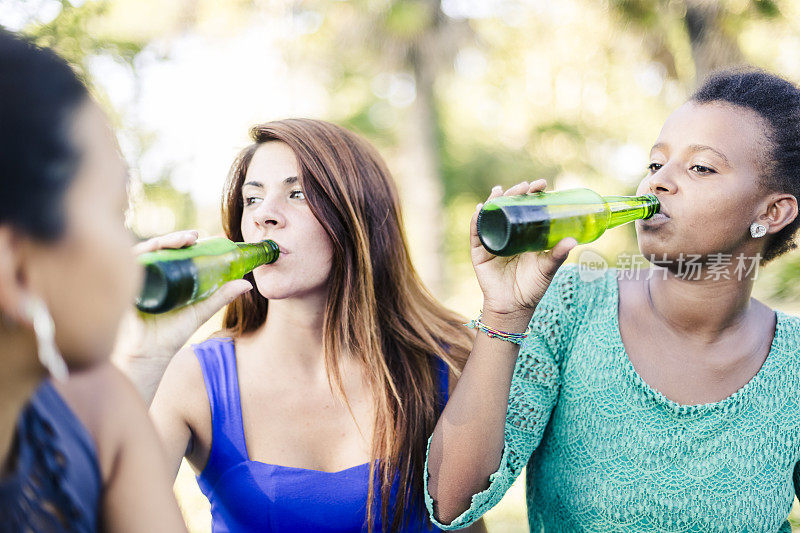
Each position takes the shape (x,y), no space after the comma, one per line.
(168,284)
(494,229)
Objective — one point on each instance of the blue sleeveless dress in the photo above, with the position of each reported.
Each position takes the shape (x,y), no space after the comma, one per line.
(249,495)
(54,483)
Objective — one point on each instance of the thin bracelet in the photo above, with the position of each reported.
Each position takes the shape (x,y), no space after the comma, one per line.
(516,338)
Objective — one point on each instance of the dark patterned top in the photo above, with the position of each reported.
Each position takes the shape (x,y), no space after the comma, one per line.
(55,482)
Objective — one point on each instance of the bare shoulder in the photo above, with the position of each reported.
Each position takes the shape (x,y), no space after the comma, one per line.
(107,403)
(137,493)
(183,375)
(181,398)
(183,389)
(102,397)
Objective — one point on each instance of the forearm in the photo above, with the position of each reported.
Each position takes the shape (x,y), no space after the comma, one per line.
(144,371)
(467,443)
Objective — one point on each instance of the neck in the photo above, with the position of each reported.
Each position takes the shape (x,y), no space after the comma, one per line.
(704,308)
(294,326)
(21,374)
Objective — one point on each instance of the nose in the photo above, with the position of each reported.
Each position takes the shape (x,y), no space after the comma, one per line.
(662,181)
(270,213)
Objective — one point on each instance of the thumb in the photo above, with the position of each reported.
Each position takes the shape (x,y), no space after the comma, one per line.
(556,257)
(205,309)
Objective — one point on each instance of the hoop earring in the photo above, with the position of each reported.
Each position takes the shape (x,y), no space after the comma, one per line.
(45,330)
(757,230)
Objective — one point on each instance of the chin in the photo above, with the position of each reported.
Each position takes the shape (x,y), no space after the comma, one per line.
(648,246)
(272,294)
(275,285)
(658,252)
(275,291)
(272,287)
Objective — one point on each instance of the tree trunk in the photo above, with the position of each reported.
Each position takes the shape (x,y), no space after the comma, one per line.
(423,191)
(712,46)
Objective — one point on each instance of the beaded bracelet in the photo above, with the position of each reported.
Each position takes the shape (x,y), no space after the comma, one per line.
(516,338)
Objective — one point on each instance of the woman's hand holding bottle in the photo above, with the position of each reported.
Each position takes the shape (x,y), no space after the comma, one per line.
(146,343)
(513,286)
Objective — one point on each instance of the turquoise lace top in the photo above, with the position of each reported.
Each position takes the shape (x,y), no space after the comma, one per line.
(606,452)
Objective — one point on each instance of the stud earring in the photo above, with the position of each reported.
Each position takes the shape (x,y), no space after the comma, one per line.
(757,230)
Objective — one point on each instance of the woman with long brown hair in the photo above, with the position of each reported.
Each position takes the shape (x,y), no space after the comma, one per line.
(311,411)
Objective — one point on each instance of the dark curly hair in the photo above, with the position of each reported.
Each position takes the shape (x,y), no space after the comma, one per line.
(777,101)
(39,93)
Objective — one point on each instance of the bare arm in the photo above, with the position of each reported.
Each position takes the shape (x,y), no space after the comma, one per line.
(137,492)
(468,440)
(180,405)
(467,444)
(480,525)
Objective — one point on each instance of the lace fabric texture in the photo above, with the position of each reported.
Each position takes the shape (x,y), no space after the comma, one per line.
(606,452)
(55,483)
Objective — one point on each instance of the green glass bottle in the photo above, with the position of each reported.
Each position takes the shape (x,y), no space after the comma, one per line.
(509,225)
(174,278)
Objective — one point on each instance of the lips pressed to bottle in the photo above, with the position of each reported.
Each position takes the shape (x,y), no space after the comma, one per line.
(509,225)
(174,278)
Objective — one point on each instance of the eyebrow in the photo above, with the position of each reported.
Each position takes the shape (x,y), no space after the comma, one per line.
(696,148)
(286,181)
(702,147)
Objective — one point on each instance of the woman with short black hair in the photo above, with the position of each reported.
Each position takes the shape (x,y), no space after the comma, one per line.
(667,401)
(77,450)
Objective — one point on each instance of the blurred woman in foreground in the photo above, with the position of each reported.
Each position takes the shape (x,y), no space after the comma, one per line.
(77,450)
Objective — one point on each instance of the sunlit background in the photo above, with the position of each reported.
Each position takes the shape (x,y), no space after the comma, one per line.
(458,95)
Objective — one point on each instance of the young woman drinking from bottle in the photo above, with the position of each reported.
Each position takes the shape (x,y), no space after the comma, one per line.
(664,402)
(312,412)
(77,449)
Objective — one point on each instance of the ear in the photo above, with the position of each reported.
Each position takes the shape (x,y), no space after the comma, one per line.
(12,290)
(781,211)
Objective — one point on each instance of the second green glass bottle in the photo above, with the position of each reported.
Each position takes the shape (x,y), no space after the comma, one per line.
(174,278)
(510,225)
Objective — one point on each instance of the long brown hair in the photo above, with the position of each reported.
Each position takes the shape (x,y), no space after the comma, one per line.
(377,308)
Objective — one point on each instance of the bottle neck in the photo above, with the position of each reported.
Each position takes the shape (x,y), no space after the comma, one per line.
(628,208)
(254,255)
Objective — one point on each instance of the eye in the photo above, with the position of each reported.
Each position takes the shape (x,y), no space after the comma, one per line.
(654,167)
(297,195)
(251,200)
(700,169)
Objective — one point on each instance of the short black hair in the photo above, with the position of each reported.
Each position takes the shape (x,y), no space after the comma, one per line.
(777,101)
(39,93)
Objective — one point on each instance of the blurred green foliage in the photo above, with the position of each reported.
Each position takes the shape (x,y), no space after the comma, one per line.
(500,91)
(70,33)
